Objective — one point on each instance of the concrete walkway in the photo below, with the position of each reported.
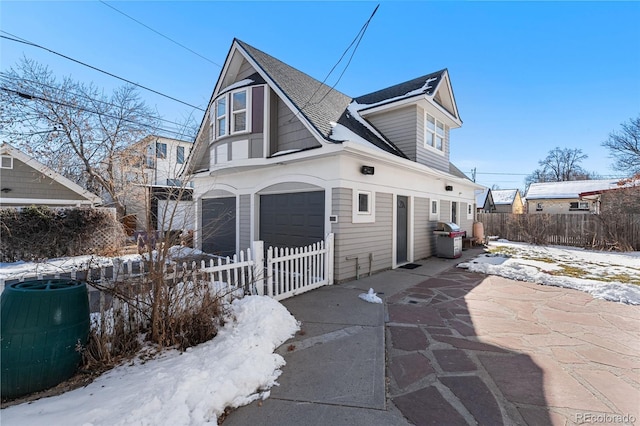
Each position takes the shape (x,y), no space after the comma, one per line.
(452,347)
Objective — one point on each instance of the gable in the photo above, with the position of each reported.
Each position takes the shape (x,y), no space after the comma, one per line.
(29,179)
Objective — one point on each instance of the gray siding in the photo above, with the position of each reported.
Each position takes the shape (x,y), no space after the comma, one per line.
(27,182)
(204,139)
(291,133)
(400,127)
(360,239)
(423,229)
(244,219)
(445,211)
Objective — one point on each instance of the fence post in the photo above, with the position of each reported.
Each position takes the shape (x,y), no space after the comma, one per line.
(257,251)
(269,268)
(329,259)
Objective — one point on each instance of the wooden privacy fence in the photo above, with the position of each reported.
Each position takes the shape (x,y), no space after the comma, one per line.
(611,232)
(281,274)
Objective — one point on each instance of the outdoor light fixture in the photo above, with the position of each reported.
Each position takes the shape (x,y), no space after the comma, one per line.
(5,190)
(448,188)
(367,170)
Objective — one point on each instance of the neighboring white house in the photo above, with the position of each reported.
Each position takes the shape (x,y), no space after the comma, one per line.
(25,181)
(283,158)
(163,198)
(564,197)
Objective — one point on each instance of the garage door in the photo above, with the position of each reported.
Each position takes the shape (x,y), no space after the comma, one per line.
(219,226)
(292,220)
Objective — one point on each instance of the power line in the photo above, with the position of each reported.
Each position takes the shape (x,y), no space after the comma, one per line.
(29,96)
(9,76)
(358,39)
(160,34)
(17,40)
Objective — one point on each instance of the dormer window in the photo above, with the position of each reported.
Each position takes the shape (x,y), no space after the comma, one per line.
(232,113)
(239,111)
(434,133)
(221,116)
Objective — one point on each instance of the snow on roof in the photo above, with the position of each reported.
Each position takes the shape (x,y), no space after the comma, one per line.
(567,189)
(504,196)
(481,197)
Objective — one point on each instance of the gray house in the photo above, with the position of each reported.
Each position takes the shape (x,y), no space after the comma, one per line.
(282,158)
(25,181)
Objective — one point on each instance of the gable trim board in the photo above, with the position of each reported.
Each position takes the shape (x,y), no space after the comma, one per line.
(291,171)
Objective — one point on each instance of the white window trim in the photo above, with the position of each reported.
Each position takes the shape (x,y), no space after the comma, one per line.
(229,114)
(469,211)
(432,215)
(10,162)
(434,133)
(246,111)
(217,118)
(363,217)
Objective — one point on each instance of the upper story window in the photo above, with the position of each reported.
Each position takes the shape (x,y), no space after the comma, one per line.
(434,133)
(232,113)
(180,155)
(239,111)
(161,150)
(7,162)
(221,116)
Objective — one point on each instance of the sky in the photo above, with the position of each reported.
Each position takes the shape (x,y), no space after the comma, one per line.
(188,389)
(527,76)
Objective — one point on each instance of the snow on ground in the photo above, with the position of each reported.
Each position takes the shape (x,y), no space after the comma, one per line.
(605,275)
(235,368)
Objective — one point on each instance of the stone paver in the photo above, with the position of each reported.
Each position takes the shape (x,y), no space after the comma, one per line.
(465,348)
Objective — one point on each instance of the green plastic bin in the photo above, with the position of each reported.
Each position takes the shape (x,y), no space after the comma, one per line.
(43,321)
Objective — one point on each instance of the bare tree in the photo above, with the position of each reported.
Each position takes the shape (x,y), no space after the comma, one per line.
(624,147)
(72,127)
(561,165)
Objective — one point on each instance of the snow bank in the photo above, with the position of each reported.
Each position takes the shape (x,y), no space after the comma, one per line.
(235,368)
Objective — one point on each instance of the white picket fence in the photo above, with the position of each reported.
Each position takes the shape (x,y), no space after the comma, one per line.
(283,273)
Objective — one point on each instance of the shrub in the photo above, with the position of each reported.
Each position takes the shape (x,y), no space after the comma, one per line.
(39,232)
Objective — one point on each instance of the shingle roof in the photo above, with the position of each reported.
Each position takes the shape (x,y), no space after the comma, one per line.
(424,85)
(319,104)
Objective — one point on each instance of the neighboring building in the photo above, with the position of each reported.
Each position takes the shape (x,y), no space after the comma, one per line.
(508,201)
(564,197)
(283,158)
(25,181)
(155,165)
(623,199)
(484,201)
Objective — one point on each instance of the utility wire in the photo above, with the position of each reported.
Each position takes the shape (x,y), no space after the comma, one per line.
(160,34)
(357,39)
(97,69)
(68,92)
(29,96)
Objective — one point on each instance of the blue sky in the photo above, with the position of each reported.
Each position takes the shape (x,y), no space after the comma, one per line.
(527,76)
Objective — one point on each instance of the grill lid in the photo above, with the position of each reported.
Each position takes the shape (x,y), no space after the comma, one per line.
(447,227)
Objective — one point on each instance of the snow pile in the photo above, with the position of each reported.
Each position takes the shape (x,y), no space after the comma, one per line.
(597,266)
(370,297)
(235,368)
